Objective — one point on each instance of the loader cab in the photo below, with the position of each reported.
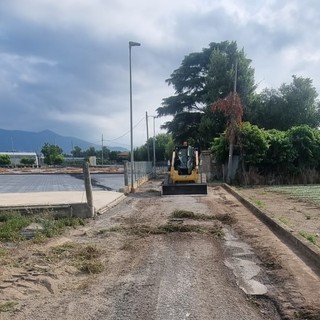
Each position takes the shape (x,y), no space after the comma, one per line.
(184,160)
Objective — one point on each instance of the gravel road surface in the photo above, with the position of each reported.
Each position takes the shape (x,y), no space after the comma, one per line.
(222,263)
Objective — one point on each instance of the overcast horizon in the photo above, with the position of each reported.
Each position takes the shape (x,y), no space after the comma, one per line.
(65,64)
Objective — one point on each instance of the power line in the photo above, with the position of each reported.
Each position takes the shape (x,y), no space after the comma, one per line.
(123,135)
(126,132)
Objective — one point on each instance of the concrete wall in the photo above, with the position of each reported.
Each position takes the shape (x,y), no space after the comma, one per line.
(206,164)
(80,210)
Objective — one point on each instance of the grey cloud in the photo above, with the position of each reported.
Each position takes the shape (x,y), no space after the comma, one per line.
(65,69)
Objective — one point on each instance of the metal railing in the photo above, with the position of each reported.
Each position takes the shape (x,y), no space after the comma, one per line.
(141,171)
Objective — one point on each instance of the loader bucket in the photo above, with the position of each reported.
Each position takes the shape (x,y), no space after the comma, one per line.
(184,188)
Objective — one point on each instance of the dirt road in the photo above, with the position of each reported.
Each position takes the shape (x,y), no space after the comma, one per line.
(213,261)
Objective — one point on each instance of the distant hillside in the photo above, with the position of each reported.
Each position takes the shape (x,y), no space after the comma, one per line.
(33,141)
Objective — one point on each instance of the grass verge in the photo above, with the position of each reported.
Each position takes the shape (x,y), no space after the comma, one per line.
(12,223)
(309,236)
(284,220)
(259,203)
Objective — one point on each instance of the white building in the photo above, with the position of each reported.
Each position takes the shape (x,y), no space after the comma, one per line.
(15,157)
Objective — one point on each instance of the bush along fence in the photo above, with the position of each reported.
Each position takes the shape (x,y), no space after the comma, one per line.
(272,156)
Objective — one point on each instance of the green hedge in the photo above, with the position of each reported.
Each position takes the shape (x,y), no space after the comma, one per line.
(272,152)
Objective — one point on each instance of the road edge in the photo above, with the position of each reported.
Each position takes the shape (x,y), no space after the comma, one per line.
(307,252)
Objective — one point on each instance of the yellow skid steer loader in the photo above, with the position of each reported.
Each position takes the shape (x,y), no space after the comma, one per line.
(184,176)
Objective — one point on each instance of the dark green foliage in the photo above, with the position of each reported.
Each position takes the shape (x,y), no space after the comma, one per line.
(253,144)
(52,154)
(4,160)
(141,153)
(77,152)
(220,149)
(163,148)
(11,224)
(291,105)
(305,147)
(282,154)
(279,153)
(91,152)
(221,73)
(184,127)
(27,161)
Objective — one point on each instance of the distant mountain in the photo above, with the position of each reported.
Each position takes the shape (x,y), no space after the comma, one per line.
(24,141)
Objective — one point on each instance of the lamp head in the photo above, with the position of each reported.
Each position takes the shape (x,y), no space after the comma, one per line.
(134,44)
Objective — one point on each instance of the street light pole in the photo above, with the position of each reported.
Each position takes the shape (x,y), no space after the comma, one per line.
(131,44)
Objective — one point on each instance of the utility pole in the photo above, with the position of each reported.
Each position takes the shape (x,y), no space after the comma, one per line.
(154,144)
(131,44)
(232,133)
(147,137)
(102,150)
(235,77)
(14,157)
(72,152)
(154,147)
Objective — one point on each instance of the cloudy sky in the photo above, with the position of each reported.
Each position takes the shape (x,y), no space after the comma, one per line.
(64,65)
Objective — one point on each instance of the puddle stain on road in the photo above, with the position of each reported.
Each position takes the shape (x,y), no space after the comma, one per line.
(244,265)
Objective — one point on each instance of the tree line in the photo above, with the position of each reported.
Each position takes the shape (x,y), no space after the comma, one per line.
(53,154)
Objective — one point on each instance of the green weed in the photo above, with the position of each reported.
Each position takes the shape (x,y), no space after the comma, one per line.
(309,236)
(284,220)
(8,306)
(3,252)
(12,223)
(260,204)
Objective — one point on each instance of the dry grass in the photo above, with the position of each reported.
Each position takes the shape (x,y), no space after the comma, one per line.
(185,214)
(85,258)
(145,230)
(215,230)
